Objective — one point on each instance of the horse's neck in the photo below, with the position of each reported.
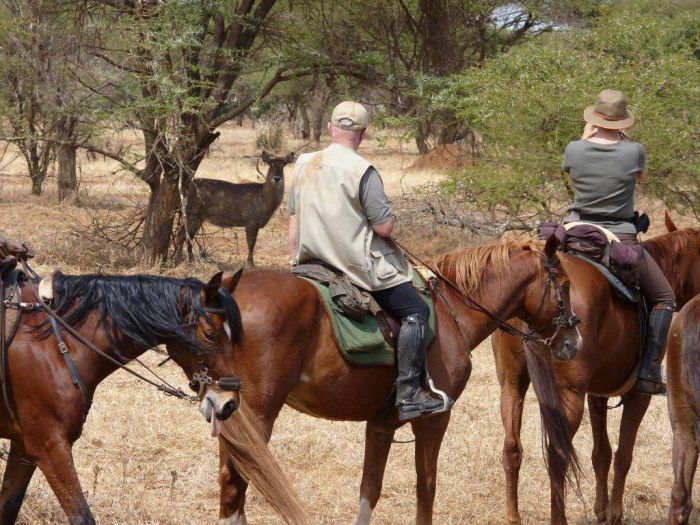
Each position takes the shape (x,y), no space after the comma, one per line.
(500,296)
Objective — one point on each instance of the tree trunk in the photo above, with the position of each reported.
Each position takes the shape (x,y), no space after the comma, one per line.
(65,155)
(36,185)
(422,139)
(305,124)
(67,180)
(163,203)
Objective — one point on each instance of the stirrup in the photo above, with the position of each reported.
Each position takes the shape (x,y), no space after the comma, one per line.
(646,386)
(410,410)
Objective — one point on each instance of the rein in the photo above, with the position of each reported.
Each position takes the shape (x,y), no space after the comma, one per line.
(164,386)
(559,322)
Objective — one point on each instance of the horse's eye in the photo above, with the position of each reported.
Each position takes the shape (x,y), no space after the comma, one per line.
(210,335)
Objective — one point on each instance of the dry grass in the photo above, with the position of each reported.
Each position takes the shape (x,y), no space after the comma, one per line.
(147,459)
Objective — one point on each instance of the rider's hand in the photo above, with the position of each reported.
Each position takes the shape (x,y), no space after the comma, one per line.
(15,249)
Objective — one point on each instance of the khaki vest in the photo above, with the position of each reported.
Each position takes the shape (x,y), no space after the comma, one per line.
(332,225)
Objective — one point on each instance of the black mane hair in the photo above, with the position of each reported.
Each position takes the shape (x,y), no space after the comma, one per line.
(146,309)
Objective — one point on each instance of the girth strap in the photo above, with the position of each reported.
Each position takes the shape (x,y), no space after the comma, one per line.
(74,373)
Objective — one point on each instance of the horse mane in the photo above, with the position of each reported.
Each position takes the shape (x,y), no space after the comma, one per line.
(668,251)
(143,308)
(469,264)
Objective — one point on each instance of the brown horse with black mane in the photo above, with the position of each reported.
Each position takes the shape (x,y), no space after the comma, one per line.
(288,354)
(123,317)
(605,367)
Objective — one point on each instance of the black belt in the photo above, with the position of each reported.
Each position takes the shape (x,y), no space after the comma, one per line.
(604,218)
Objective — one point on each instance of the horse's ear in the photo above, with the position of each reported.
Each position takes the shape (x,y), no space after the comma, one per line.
(265,157)
(212,288)
(670,225)
(289,158)
(551,246)
(231,281)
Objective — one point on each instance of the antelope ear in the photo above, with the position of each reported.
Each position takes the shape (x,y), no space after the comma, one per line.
(212,288)
(289,158)
(265,157)
(670,225)
(231,281)
(551,246)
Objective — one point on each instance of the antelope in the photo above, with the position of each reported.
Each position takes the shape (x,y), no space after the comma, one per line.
(227,204)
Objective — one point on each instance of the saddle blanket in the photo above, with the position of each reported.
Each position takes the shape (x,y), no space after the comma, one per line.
(362,343)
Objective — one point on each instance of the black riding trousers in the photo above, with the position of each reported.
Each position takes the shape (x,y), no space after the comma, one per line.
(401,301)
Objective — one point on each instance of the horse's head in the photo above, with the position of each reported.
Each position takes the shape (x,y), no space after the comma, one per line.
(547,305)
(678,255)
(215,324)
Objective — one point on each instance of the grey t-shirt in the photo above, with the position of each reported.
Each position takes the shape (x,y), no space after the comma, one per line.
(604,178)
(374,201)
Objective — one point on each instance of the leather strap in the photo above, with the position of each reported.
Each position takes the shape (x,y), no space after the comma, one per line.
(74,373)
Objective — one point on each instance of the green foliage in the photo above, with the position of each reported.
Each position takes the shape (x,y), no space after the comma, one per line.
(528,103)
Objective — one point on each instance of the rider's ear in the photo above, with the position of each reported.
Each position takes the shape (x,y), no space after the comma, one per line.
(670,225)
(551,246)
(231,281)
(212,288)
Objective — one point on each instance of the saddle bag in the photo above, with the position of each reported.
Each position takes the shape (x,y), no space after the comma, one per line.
(353,302)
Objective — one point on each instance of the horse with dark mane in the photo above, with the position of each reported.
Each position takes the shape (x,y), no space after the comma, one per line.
(606,367)
(122,317)
(288,354)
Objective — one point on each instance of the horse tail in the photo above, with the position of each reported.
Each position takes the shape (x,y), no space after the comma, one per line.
(246,443)
(690,358)
(557,439)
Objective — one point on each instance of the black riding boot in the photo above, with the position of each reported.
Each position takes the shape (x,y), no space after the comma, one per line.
(411,399)
(649,379)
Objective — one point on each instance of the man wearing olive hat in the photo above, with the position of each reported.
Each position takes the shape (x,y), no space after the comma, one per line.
(340,214)
(604,167)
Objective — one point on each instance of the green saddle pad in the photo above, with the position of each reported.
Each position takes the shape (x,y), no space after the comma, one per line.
(362,343)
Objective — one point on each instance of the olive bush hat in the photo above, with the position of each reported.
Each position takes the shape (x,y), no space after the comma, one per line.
(350,115)
(609,111)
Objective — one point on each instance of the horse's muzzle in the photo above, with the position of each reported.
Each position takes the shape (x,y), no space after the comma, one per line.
(567,348)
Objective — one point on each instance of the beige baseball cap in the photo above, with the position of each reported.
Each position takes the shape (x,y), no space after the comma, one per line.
(350,115)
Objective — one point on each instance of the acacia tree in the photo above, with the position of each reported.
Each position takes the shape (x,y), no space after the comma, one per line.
(171,70)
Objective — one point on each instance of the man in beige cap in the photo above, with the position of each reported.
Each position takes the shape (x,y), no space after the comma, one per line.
(340,214)
(604,167)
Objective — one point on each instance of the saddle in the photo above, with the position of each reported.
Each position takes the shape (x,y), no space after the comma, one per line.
(616,261)
(352,301)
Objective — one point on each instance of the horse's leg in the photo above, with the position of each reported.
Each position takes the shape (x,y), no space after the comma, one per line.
(511,369)
(635,406)
(251,236)
(429,433)
(378,437)
(54,458)
(17,476)
(685,461)
(602,453)
(233,486)
(233,490)
(573,403)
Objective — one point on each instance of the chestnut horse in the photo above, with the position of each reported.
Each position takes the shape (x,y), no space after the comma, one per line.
(683,379)
(289,354)
(604,368)
(122,317)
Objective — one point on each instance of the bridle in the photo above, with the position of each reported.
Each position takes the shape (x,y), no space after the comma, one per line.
(202,377)
(200,380)
(563,320)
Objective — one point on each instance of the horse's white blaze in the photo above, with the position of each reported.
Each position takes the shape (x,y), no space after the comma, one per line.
(364,513)
(228,329)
